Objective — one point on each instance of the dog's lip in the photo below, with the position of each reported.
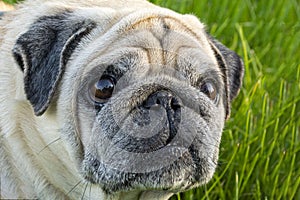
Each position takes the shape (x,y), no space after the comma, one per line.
(171,178)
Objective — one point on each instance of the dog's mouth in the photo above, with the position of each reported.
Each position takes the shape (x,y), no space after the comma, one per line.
(187,172)
(152,147)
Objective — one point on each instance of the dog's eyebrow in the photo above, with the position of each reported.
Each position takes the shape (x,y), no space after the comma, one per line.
(217,78)
(123,64)
(189,71)
(114,71)
(119,68)
(211,74)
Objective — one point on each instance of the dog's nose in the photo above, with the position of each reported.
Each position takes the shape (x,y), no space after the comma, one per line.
(162,98)
(172,106)
(155,123)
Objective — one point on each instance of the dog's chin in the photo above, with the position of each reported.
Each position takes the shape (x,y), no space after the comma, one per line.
(188,172)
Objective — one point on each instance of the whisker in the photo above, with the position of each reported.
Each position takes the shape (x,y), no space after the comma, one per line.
(90,191)
(49,145)
(86,185)
(74,187)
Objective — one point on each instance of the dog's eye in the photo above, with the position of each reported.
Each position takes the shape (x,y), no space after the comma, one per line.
(102,90)
(210,90)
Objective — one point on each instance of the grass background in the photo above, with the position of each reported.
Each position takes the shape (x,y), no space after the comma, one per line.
(260,150)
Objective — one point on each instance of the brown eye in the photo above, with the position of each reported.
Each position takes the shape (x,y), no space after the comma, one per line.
(210,90)
(102,90)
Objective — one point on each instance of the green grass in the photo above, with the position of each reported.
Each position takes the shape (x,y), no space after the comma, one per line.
(10,1)
(260,150)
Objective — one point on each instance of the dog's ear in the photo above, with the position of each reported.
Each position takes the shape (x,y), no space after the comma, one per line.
(43,51)
(232,68)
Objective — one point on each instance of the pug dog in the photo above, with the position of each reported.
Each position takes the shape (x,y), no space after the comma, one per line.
(110,100)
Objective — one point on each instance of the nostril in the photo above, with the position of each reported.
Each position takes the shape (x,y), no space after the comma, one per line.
(151,101)
(175,105)
(158,101)
(163,98)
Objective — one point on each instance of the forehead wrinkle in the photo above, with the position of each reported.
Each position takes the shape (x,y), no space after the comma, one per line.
(144,40)
(169,21)
(157,46)
(160,27)
(130,22)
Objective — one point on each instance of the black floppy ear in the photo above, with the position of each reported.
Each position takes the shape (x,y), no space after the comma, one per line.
(42,53)
(232,68)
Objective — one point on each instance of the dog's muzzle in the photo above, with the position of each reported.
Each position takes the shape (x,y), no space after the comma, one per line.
(163,106)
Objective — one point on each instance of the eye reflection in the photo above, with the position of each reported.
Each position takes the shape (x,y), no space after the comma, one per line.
(102,90)
(210,90)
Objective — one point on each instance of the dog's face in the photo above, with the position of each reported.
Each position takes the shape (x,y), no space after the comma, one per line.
(141,100)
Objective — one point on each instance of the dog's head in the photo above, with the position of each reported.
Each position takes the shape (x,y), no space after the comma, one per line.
(141,98)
